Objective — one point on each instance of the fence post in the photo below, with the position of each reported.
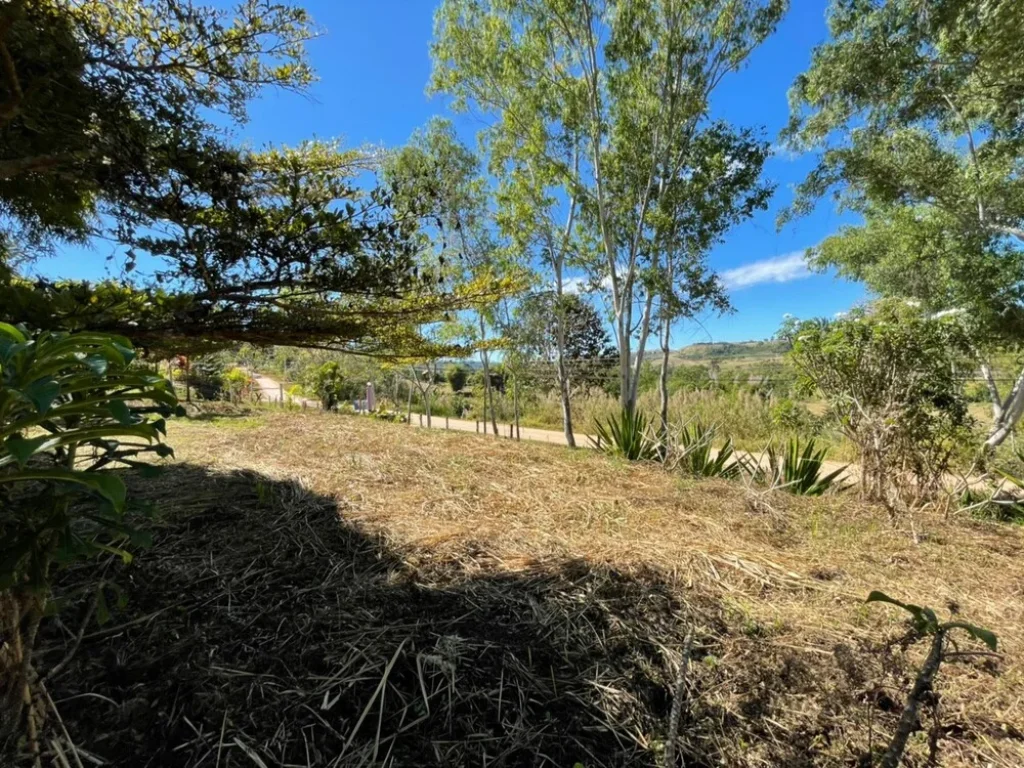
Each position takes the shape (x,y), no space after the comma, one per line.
(303,405)
(477,422)
(446,422)
(509,431)
(280,393)
(421,419)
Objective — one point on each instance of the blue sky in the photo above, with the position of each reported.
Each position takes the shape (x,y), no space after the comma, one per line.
(373,63)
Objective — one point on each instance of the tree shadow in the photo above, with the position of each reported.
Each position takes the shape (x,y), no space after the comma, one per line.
(264,626)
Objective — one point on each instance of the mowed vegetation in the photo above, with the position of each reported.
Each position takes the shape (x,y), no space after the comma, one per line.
(193,576)
(337,590)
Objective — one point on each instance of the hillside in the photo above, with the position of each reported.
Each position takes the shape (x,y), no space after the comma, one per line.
(730,353)
(332,590)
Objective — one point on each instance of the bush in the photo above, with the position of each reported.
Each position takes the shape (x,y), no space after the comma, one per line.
(890,375)
(797,469)
(328,384)
(239,384)
(59,394)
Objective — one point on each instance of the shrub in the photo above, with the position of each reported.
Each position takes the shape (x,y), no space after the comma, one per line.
(239,384)
(61,393)
(328,384)
(890,375)
(627,435)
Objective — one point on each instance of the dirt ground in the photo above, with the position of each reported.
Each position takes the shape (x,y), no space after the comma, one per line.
(332,590)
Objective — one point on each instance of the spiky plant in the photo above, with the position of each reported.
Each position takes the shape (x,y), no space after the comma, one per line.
(695,455)
(627,434)
(798,468)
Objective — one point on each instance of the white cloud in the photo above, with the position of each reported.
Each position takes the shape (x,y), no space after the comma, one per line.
(575,284)
(782,269)
(584,285)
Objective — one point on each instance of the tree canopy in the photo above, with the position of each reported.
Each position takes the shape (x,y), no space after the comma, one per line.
(918,112)
(274,246)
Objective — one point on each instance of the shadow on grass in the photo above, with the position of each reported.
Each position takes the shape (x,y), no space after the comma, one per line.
(262,626)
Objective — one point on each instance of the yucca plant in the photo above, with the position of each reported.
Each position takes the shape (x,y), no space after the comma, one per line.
(695,455)
(797,469)
(70,405)
(629,435)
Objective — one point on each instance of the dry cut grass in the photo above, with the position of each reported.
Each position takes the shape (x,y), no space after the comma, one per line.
(331,590)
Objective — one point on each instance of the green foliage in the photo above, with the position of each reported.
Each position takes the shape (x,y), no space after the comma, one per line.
(329,384)
(628,435)
(106,107)
(694,453)
(917,113)
(926,622)
(798,469)
(598,107)
(239,383)
(891,374)
(793,417)
(100,97)
(70,405)
(457,376)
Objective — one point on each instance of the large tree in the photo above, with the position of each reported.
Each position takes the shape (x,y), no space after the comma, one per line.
(596,107)
(435,174)
(108,129)
(544,324)
(917,109)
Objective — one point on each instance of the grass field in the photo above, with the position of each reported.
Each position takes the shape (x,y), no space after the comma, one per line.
(331,590)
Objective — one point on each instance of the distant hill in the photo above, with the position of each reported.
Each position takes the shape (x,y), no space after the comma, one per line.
(737,353)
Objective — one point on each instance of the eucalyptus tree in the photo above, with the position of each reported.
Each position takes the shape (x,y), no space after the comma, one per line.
(917,110)
(595,107)
(437,175)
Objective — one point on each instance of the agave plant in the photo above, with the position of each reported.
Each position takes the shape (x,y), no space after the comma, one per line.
(695,455)
(798,469)
(61,393)
(628,435)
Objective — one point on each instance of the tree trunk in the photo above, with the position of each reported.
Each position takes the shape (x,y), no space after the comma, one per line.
(488,395)
(664,337)
(561,369)
(1006,413)
(409,416)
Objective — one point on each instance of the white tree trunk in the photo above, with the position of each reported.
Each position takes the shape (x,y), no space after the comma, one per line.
(1006,412)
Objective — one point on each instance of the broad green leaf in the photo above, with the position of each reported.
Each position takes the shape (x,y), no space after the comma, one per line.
(9,330)
(978,633)
(107,485)
(22,449)
(120,411)
(42,393)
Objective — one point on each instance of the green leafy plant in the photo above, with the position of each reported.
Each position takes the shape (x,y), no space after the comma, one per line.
(926,624)
(239,383)
(694,453)
(627,434)
(798,469)
(71,405)
(328,383)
